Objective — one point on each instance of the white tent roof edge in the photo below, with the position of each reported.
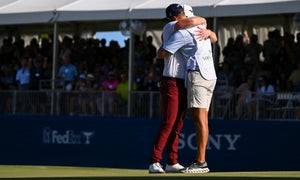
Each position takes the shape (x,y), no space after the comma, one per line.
(258,9)
(16,13)
(26,18)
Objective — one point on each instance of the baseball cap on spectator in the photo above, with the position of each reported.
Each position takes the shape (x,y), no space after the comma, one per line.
(90,76)
(188,10)
(173,10)
(82,76)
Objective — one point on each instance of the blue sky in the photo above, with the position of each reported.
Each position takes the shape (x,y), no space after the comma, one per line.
(112,35)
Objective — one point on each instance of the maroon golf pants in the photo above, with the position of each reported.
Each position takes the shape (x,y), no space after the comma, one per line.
(174,104)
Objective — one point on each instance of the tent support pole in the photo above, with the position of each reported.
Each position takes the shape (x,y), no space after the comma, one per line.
(216,64)
(54,57)
(130,70)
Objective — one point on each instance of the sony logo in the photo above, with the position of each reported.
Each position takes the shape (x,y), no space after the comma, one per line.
(215,141)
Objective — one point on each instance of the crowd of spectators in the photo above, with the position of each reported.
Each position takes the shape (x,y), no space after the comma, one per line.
(86,56)
(78,58)
(276,59)
(92,64)
(250,69)
(82,65)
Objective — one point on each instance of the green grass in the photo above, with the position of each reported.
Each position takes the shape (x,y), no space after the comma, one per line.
(87,173)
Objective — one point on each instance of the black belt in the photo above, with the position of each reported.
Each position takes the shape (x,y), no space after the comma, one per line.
(172,78)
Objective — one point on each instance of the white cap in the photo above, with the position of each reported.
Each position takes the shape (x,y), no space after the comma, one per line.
(188,10)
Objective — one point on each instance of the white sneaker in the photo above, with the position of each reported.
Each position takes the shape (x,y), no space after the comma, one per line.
(196,167)
(176,168)
(156,168)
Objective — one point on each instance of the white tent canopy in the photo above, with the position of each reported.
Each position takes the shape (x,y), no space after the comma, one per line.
(29,11)
(45,11)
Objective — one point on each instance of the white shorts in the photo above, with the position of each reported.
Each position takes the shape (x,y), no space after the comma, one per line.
(200,90)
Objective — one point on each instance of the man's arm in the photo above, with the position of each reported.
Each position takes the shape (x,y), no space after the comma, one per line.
(205,33)
(173,44)
(162,53)
(189,22)
(212,35)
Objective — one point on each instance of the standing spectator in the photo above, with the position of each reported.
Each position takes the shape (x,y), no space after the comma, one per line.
(82,100)
(109,87)
(110,83)
(92,87)
(228,50)
(245,92)
(7,82)
(140,55)
(269,48)
(23,75)
(65,48)
(150,50)
(46,46)
(288,52)
(68,72)
(103,49)
(253,50)
(86,99)
(23,80)
(37,73)
(6,50)
(265,96)
(7,78)
(276,47)
(122,91)
(33,48)
(18,47)
(77,48)
(238,53)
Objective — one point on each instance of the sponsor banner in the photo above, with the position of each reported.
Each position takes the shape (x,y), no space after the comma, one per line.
(127,143)
(69,136)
